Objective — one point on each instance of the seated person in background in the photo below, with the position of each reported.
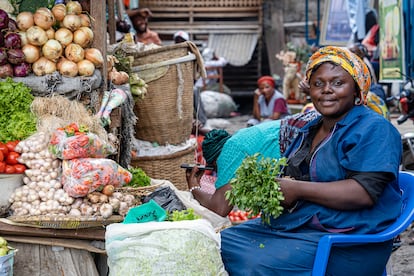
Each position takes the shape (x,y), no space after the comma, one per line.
(341,177)
(225,153)
(181,36)
(139,19)
(211,60)
(268,102)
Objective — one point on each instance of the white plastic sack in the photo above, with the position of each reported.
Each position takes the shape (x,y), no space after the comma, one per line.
(189,247)
(217,105)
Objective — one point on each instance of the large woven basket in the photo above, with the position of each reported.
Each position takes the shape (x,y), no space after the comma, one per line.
(167,166)
(165,114)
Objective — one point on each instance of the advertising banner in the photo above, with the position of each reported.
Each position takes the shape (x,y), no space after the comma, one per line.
(391,43)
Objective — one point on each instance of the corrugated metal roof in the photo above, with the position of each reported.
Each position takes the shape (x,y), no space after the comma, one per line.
(236,48)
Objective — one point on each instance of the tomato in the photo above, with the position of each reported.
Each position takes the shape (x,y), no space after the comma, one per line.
(4,149)
(11,145)
(1,156)
(2,167)
(19,168)
(9,169)
(12,158)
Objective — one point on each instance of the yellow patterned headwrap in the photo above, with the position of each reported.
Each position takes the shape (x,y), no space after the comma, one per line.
(350,62)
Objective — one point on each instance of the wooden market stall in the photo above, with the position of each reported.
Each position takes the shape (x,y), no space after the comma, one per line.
(72,248)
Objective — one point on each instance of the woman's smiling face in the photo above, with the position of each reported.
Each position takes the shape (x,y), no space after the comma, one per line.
(332,90)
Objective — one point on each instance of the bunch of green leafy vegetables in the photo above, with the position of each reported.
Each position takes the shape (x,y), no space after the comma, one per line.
(187,214)
(17,122)
(139,178)
(255,189)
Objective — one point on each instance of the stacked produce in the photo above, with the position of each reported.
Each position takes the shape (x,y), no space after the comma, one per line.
(79,187)
(59,39)
(4,247)
(12,62)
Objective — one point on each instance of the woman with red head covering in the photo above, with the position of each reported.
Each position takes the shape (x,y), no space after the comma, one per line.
(269,103)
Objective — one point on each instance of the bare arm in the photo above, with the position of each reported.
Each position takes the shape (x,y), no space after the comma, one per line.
(345,194)
(215,202)
(256,108)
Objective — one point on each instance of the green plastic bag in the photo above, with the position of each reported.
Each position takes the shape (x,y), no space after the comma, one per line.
(146,212)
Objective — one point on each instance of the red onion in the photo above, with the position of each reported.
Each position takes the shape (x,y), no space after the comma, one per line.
(4,19)
(6,70)
(21,70)
(3,56)
(12,41)
(15,56)
(1,39)
(12,26)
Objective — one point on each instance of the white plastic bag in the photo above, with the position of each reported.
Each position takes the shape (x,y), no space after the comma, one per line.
(189,247)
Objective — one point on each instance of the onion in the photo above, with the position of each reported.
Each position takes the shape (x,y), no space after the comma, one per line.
(85,68)
(15,56)
(36,36)
(23,38)
(85,20)
(44,18)
(73,7)
(60,61)
(72,22)
(31,53)
(6,70)
(24,20)
(43,66)
(74,52)
(68,68)
(4,19)
(12,26)
(59,11)
(3,56)
(50,33)
(64,36)
(12,40)
(95,56)
(83,36)
(1,39)
(52,50)
(21,70)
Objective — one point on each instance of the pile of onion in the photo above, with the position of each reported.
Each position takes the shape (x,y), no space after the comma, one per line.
(59,39)
(12,57)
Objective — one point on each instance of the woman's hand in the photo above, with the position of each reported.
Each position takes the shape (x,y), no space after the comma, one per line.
(193,176)
(287,186)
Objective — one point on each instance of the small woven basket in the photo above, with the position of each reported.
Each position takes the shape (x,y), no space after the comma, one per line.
(65,222)
(167,166)
(165,114)
(139,191)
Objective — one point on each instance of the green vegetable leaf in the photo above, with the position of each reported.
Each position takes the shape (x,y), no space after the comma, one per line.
(255,189)
(139,178)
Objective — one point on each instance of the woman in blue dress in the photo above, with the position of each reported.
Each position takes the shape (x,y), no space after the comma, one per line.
(342,179)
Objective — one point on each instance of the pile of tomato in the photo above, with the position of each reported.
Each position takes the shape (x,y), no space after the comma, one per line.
(237,216)
(9,158)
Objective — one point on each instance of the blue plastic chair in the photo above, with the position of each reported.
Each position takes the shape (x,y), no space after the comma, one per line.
(406,182)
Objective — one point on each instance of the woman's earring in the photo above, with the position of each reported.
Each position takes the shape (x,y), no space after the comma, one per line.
(357,101)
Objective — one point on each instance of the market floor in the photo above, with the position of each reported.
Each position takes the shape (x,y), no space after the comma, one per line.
(401,262)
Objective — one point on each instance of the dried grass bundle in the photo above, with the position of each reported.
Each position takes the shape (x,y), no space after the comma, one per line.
(58,111)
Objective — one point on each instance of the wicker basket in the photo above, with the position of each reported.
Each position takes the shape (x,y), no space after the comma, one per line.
(167,166)
(165,114)
(139,191)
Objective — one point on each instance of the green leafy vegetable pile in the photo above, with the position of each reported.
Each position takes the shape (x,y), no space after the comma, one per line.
(182,215)
(17,122)
(139,178)
(255,188)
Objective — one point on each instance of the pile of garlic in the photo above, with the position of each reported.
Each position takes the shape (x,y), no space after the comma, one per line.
(43,193)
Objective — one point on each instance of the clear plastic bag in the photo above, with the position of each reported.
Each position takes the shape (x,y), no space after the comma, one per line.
(85,175)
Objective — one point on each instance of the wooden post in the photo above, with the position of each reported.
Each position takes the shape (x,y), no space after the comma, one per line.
(274,33)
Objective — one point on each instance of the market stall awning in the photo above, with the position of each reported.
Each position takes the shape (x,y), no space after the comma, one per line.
(236,48)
